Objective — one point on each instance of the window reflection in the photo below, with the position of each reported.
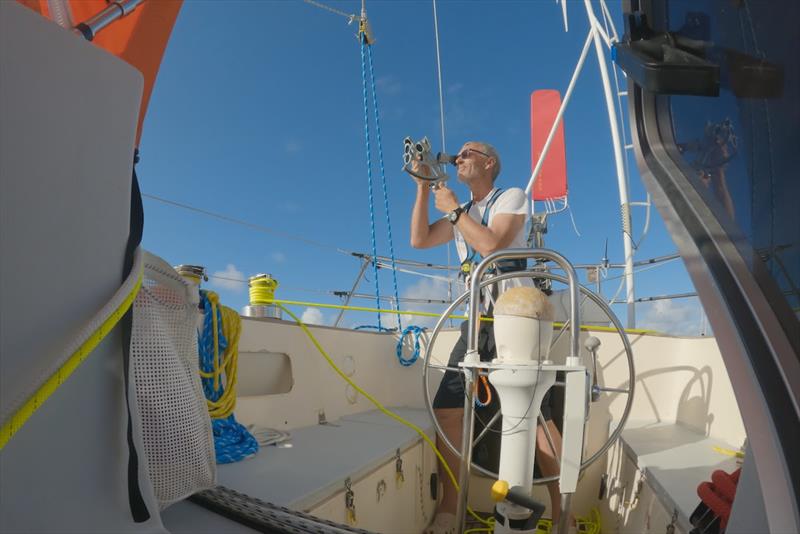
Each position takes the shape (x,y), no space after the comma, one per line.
(743,147)
(709,156)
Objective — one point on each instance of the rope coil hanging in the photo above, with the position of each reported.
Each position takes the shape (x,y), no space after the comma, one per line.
(417,331)
(218,345)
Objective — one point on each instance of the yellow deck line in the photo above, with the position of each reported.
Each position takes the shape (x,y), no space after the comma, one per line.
(637,331)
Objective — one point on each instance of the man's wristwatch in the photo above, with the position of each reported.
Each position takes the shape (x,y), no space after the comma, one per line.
(454,215)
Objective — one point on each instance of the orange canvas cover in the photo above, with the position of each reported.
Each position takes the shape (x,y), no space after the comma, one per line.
(552,180)
(139,38)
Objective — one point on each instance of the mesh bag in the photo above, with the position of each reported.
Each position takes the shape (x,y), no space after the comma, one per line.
(176,429)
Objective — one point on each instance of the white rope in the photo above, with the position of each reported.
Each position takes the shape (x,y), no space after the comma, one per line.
(571,218)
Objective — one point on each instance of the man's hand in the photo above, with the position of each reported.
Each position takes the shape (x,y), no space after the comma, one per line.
(423,170)
(446,201)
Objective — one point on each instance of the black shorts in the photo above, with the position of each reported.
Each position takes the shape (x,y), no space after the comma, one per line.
(451,391)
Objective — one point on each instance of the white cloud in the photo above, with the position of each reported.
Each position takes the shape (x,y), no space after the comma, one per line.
(681,318)
(425,288)
(278,257)
(454,88)
(231,279)
(389,85)
(313,316)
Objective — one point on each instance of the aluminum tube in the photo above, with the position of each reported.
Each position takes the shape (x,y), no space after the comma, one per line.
(524,253)
(660,297)
(398,261)
(627,239)
(610,19)
(472,347)
(115,10)
(563,520)
(602,304)
(468,427)
(559,115)
(364,265)
(601,30)
(389,298)
(657,259)
(667,297)
(639,263)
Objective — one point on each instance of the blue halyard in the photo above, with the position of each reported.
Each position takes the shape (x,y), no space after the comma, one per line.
(366,53)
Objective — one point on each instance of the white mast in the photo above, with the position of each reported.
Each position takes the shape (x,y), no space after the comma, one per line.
(599,36)
(622,182)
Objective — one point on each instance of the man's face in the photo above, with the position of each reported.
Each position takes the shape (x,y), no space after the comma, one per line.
(473,163)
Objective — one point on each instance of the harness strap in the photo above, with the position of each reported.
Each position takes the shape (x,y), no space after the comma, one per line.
(501,266)
(484,220)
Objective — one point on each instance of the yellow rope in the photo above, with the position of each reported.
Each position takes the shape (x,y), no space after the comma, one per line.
(430,314)
(360,308)
(231,329)
(22,415)
(729,452)
(381,407)
(262,290)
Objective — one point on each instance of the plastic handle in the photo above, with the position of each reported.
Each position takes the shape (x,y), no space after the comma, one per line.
(663,69)
(517,496)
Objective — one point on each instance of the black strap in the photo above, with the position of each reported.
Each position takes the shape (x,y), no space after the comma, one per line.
(135,499)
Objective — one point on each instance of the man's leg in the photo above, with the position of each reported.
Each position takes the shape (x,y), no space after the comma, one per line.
(546,458)
(448,407)
(451,421)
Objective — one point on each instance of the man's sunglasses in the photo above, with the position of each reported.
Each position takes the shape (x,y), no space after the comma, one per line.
(467,153)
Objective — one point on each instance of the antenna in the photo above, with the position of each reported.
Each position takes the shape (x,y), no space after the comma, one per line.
(564,12)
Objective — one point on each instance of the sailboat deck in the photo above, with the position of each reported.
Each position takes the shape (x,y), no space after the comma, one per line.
(675,459)
(316,465)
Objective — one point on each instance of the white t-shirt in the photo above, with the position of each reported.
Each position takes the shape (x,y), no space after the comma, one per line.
(512,201)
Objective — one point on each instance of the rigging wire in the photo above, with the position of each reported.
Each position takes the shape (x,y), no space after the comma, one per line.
(439,72)
(441,120)
(409,271)
(349,16)
(250,225)
(245,282)
(637,271)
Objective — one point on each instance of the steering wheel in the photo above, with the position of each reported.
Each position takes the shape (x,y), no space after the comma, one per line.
(595,388)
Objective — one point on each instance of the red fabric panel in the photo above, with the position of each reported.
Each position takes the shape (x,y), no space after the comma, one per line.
(139,38)
(552,180)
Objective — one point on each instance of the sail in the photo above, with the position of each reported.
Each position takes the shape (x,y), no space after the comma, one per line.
(139,38)
(551,183)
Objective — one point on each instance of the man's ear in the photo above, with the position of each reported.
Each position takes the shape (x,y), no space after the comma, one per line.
(490,163)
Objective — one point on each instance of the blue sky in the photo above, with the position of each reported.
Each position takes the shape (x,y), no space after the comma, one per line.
(257,114)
